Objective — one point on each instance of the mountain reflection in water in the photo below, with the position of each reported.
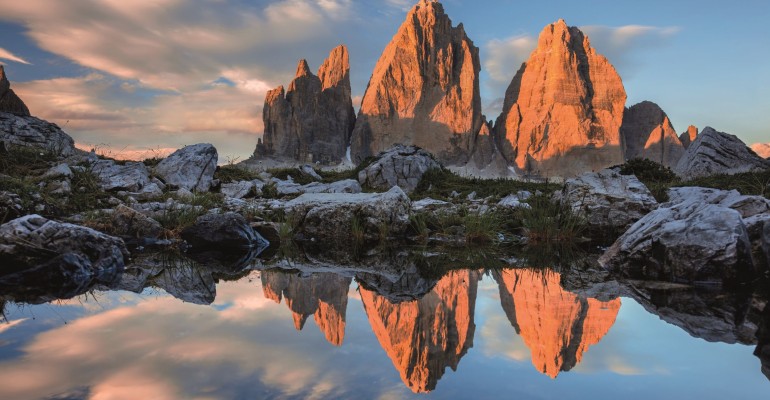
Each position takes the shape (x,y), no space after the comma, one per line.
(388,328)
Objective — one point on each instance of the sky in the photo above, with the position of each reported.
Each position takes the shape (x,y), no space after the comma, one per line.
(138,78)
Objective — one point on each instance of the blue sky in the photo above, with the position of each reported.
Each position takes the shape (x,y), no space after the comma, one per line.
(141,76)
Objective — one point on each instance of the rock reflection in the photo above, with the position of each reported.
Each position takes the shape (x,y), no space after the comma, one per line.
(556,325)
(424,336)
(322,295)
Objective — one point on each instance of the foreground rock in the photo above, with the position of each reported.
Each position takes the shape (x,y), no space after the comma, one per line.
(290,188)
(715,153)
(9,101)
(131,176)
(191,168)
(424,90)
(35,133)
(564,108)
(608,200)
(222,231)
(402,166)
(36,252)
(131,224)
(330,218)
(312,121)
(689,242)
(766,242)
(647,133)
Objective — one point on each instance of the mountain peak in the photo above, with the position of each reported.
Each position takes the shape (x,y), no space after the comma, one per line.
(9,101)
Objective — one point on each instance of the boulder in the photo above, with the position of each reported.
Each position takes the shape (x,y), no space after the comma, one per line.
(32,241)
(647,133)
(237,190)
(515,200)
(688,242)
(129,223)
(218,231)
(35,133)
(424,91)
(747,206)
(9,101)
(402,166)
(715,153)
(59,171)
(131,176)
(329,218)
(289,188)
(191,168)
(563,110)
(608,200)
(312,121)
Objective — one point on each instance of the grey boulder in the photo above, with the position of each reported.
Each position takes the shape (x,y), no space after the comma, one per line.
(715,153)
(402,166)
(131,176)
(191,168)
(222,231)
(35,133)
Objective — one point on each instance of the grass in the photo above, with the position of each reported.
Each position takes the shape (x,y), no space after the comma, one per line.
(546,221)
(184,215)
(233,173)
(441,183)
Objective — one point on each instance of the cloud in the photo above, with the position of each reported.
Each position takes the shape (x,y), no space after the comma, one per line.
(7,55)
(504,56)
(625,45)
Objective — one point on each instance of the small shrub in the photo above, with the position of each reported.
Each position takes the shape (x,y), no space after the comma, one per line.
(482,228)
(657,177)
(548,221)
(418,227)
(357,230)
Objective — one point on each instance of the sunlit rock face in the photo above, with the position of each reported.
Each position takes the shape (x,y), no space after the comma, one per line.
(312,121)
(762,149)
(688,137)
(324,296)
(557,326)
(9,101)
(564,108)
(425,336)
(424,90)
(648,133)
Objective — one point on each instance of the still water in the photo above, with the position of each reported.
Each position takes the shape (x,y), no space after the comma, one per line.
(329,333)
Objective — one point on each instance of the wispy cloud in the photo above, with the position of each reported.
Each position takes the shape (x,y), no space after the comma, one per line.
(504,56)
(625,45)
(7,55)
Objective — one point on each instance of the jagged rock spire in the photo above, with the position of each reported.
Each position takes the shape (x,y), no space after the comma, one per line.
(9,101)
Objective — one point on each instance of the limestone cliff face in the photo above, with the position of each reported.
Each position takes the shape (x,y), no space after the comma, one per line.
(762,149)
(312,121)
(423,337)
(647,133)
(557,326)
(324,296)
(9,101)
(687,138)
(564,108)
(424,90)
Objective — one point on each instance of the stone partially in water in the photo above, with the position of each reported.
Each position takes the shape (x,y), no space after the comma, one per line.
(222,231)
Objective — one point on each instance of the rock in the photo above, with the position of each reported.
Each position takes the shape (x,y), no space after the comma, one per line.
(647,133)
(429,205)
(129,223)
(402,166)
(289,188)
(688,242)
(747,206)
(149,192)
(222,231)
(311,122)
(237,190)
(190,168)
(60,187)
(424,91)
(31,241)
(309,171)
(184,194)
(766,241)
(564,108)
(11,206)
(687,138)
(59,171)
(35,133)
(762,149)
(329,217)
(715,153)
(131,176)
(608,200)
(515,200)
(9,101)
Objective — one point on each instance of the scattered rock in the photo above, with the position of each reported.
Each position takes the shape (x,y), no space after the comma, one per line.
(289,188)
(424,91)
(515,200)
(131,176)
(60,188)
(237,190)
(32,241)
(402,166)
(59,171)
(129,223)
(715,153)
(309,171)
(222,231)
(647,133)
(328,218)
(688,242)
(608,200)
(35,133)
(191,168)
(429,205)
(11,206)
(563,110)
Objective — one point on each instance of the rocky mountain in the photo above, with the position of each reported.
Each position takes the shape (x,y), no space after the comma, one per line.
(716,152)
(647,133)
(557,326)
(762,149)
(425,336)
(564,108)
(327,300)
(313,120)
(688,137)
(9,101)
(424,90)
